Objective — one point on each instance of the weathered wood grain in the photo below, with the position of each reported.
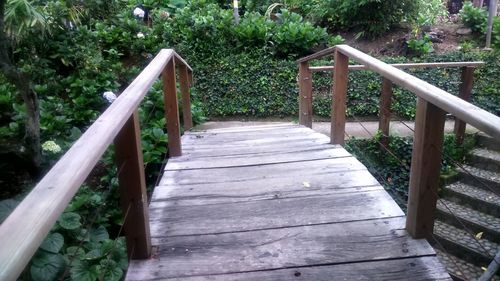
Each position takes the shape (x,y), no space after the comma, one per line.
(192,162)
(268,127)
(168,220)
(248,137)
(425,169)
(414,269)
(326,244)
(339,98)
(194,151)
(244,191)
(252,147)
(263,205)
(282,170)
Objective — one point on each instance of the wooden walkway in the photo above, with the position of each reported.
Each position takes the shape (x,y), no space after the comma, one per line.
(276,203)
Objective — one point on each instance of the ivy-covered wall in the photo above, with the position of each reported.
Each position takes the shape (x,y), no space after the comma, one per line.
(256,84)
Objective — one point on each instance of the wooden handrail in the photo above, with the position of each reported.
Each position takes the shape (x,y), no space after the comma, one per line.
(467,112)
(405,66)
(27,226)
(432,105)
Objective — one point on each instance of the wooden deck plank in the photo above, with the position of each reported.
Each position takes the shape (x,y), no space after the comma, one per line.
(198,152)
(244,191)
(193,162)
(282,248)
(266,202)
(414,269)
(302,171)
(244,216)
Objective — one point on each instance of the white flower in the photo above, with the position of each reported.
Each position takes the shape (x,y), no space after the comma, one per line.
(51,146)
(140,35)
(138,12)
(109,96)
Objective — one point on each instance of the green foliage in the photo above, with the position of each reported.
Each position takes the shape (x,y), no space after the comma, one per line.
(230,85)
(474,17)
(421,46)
(372,17)
(391,165)
(294,36)
(207,28)
(429,11)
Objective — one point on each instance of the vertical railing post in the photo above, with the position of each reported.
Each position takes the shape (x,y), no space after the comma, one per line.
(133,195)
(465,92)
(385,111)
(425,169)
(305,92)
(171,109)
(339,98)
(186,100)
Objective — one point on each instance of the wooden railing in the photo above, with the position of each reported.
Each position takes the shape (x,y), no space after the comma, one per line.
(27,226)
(432,105)
(306,75)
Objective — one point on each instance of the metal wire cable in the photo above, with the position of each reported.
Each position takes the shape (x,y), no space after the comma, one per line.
(484,184)
(435,192)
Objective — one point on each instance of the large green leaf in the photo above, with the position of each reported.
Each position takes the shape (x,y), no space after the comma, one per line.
(110,270)
(99,234)
(70,221)
(53,243)
(82,271)
(46,266)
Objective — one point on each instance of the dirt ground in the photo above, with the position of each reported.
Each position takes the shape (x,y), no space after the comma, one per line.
(393,42)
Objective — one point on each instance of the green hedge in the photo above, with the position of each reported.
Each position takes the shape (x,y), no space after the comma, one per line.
(256,84)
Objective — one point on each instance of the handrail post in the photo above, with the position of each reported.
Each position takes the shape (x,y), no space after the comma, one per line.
(186,100)
(385,110)
(171,109)
(339,99)
(305,95)
(467,82)
(132,183)
(425,169)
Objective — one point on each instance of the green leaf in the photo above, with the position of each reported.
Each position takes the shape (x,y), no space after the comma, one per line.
(94,254)
(46,266)
(110,270)
(82,271)
(53,243)
(99,234)
(158,133)
(70,221)
(75,252)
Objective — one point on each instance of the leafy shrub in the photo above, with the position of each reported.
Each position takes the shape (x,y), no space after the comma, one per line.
(295,36)
(254,30)
(474,17)
(372,17)
(420,46)
(205,27)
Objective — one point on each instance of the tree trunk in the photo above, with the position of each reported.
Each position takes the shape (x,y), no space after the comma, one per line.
(21,81)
